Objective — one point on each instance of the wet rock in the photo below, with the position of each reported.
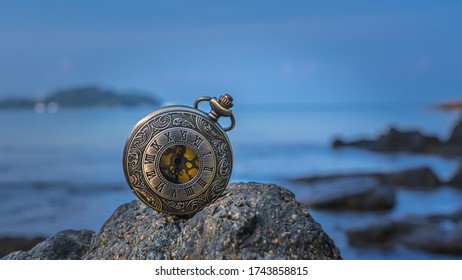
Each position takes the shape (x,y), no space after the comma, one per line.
(444,238)
(456,180)
(396,141)
(453,145)
(420,178)
(416,178)
(384,235)
(65,245)
(433,233)
(456,135)
(10,244)
(350,193)
(410,141)
(364,191)
(251,221)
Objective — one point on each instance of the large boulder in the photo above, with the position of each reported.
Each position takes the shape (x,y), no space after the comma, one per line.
(65,245)
(433,233)
(250,221)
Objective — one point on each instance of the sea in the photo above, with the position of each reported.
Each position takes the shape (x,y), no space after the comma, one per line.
(62,168)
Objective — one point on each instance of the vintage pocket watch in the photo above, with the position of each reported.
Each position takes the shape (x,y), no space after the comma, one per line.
(178,159)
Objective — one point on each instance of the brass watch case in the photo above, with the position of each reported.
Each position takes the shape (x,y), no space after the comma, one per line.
(169,127)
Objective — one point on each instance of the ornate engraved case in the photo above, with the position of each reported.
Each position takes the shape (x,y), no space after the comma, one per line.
(178,159)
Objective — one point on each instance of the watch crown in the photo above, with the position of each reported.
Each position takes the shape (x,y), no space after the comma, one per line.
(220,107)
(226,101)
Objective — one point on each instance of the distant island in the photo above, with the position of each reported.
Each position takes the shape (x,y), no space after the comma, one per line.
(84,96)
(450,106)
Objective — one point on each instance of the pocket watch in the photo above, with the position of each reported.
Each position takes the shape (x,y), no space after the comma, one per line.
(178,159)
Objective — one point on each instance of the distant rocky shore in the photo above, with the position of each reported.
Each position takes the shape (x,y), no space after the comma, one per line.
(411,141)
(250,221)
(364,191)
(437,233)
(84,96)
(377,191)
(369,191)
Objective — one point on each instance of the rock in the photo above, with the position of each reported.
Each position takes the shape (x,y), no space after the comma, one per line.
(350,193)
(251,221)
(453,145)
(443,238)
(385,234)
(65,245)
(433,233)
(10,244)
(364,191)
(409,141)
(456,180)
(455,138)
(396,141)
(421,178)
(416,178)
(339,143)
(360,143)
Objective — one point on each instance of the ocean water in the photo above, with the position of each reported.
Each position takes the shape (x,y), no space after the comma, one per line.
(63,170)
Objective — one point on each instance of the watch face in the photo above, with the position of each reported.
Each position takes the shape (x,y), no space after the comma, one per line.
(177,160)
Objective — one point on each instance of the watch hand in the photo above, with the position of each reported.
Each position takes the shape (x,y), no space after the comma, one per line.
(178,161)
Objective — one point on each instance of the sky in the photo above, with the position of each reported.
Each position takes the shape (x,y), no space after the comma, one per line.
(258,51)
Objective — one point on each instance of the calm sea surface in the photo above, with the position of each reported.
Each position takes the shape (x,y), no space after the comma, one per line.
(63,170)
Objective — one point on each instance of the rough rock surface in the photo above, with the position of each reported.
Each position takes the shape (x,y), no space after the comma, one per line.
(350,193)
(65,245)
(251,221)
(433,233)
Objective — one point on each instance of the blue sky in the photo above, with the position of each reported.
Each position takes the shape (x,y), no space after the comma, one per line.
(271,51)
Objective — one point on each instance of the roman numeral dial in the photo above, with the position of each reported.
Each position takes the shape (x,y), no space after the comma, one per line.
(179,164)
